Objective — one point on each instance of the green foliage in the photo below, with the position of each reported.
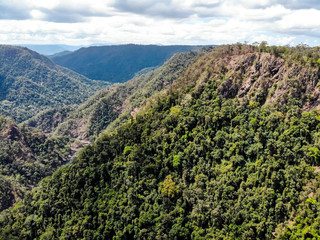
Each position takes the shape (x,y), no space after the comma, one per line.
(315,153)
(6,193)
(175,112)
(127,150)
(301,54)
(49,119)
(176,160)
(169,187)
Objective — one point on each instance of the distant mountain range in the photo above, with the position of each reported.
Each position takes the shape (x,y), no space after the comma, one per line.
(30,83)
(50,49)
(118,63)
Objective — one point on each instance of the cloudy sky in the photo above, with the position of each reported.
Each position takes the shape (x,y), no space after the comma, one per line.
(85,22)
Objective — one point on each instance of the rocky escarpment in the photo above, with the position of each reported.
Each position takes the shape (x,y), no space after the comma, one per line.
(271,80)
(15,143)
(257,77)
(26,156)
(15,154)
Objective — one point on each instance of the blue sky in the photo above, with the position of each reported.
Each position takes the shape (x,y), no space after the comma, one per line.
(84,22)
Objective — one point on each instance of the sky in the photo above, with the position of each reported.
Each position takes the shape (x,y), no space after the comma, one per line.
(166,22)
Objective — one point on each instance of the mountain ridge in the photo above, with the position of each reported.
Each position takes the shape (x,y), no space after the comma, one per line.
(118,63)
(50,49)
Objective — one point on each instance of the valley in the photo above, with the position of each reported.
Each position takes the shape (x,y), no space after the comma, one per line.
(118,63)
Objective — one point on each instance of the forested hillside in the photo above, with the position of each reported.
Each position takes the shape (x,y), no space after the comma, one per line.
(111,107)
(65,124)
(229,151)
(26,157)
(30,83)
(118,63)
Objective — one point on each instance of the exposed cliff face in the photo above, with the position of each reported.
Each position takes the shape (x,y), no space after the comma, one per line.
(14,154)
(249,72)
(11,134)
(271,80)
(26,156)
(259,77)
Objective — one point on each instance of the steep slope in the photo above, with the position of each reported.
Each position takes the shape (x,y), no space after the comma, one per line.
(115,105)
(30,83)
(26,156)
(216,156)
(117,63)
(48,120)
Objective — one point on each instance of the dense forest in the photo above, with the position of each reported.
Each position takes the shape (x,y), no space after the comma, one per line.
(31,83)
(118,63)
(229,151)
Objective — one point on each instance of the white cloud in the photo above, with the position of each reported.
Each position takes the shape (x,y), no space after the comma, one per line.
(37,14)
(269,13)
(43,4)
(159,21)
(302,19)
